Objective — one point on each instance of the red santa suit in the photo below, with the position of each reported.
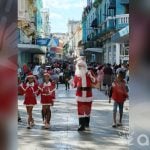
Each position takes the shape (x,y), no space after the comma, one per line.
(30,91)
(84,94)
(47,91)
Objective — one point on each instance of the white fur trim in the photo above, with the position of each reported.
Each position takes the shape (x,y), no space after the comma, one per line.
(30,84)
(47,104)
(84,99)
(29,104)
(84,84)
(47,84)
(81,116)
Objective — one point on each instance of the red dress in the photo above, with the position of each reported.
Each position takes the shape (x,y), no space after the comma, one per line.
(47,91)
(30,92)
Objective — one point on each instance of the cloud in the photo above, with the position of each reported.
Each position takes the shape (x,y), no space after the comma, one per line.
(65,4)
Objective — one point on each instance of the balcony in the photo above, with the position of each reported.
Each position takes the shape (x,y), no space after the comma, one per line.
(122,21)
(124,2)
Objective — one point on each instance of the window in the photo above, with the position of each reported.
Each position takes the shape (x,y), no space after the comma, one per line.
(100,16)
(93,57)
(21,8)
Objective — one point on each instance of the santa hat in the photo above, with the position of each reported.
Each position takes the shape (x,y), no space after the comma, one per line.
(46,73)
(30,75)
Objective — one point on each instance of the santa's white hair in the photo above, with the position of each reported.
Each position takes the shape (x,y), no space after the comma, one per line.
(81,68)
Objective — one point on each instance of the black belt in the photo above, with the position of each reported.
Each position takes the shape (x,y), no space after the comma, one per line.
(84,88)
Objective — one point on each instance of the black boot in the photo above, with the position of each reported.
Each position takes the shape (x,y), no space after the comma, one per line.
(80,121)
(87,122)
(82,124)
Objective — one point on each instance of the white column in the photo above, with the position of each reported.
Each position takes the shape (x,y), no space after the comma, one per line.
(117,53)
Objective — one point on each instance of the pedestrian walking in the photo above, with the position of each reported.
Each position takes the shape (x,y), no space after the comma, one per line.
(19,93)
(47,92)
(67,77)
(119,93)
(127,74)
(123,69)
(30,88)
(108,78)
(25,70)
(100,76)
(83,80)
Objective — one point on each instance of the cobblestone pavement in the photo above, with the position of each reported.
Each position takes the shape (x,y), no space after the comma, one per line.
(63,134)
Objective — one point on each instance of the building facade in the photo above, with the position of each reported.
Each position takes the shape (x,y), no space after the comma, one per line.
(73,32)
(29,51)
(39,21)
(100,21)
(45,30)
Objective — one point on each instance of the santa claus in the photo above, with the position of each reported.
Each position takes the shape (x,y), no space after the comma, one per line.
(83,81)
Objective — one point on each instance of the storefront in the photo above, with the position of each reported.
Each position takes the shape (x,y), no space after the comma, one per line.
(94,55)
(121,39)
(29,53)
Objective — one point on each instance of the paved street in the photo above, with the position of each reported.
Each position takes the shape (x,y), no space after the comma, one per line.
(63,134)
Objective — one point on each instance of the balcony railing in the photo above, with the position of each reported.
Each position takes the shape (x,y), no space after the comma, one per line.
(122,20)
(124,2)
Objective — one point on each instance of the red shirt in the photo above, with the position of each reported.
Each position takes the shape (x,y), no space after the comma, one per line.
(119,92)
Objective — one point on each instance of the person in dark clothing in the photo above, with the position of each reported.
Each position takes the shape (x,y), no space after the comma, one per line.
(108,78)
(67,77)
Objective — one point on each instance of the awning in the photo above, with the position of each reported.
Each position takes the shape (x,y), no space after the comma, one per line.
(57,49)
(96,50)
(121,35)
(31,48)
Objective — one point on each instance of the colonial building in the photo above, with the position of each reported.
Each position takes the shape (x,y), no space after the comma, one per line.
(73,28)
(29,29)
(100,21)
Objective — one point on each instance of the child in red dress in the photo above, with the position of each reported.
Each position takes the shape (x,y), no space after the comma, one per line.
(30,88)
(119,93)
(47,92)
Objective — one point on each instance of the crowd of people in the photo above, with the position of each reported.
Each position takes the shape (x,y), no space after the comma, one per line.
(110,78)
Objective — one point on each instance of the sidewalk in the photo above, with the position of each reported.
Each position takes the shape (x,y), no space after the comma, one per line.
(63,134)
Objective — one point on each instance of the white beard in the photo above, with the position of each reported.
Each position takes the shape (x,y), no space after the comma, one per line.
(80,72)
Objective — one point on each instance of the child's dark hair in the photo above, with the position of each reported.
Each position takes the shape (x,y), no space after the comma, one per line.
(121,74)
(49,79)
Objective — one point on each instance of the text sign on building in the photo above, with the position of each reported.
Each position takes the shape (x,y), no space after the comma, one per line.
(42,41)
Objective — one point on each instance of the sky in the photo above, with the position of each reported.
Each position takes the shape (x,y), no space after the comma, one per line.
(63,10)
